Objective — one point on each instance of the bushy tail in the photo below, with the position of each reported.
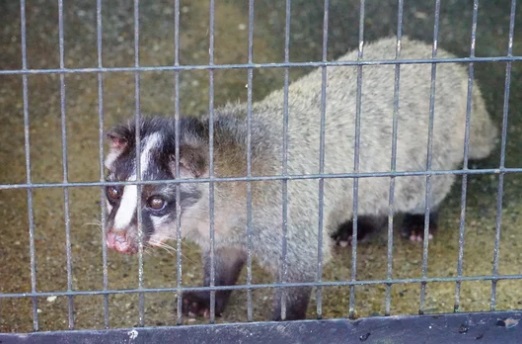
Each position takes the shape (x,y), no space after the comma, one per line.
(483,132)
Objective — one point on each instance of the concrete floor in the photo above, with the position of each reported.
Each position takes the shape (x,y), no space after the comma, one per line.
(156,48)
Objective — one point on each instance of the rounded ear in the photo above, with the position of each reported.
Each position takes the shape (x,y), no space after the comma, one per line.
(193,161)
(118,138)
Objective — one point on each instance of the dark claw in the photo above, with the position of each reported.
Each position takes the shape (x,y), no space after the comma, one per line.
(197,304)
(413,227)
(365,225)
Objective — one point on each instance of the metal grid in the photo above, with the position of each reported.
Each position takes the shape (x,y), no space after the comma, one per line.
(211,67)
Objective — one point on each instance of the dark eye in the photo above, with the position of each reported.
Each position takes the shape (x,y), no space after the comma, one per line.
(113,193)
(156,203)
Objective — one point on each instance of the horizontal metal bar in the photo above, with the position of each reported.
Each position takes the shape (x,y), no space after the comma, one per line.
(479,327)
(312,64)
(265,178)
(267,285)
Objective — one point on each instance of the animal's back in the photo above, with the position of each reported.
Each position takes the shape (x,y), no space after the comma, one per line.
(375,130)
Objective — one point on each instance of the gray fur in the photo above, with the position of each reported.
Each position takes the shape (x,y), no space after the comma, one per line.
(304,109)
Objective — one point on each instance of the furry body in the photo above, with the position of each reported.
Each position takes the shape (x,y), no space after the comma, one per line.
(157,160)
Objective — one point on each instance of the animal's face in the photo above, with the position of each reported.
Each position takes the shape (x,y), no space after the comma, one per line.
(157,202)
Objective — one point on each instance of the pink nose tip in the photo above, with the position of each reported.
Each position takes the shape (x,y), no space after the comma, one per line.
(117,242)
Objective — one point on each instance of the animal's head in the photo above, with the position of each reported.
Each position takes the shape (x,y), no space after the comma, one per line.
(157,161)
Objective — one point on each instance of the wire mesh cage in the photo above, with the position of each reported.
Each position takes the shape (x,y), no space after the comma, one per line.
(70,71)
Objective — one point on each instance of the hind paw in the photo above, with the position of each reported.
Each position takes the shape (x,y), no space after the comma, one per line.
(413,227)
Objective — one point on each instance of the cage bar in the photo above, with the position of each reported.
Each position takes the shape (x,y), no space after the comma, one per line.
(351,307)
(393,167)
(65,168)
(283,65)
(101,121)
(504,170)
(139,177)
(250,75)
(462,225)
(284,170)
(503,143)
(179,256)
(211,161)
(27,151)
(429,154)
(345,283)
(324,57)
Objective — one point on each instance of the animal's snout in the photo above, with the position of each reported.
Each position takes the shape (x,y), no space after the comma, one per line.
(118,241)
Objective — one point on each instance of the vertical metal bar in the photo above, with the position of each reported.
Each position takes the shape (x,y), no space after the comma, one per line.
(463,196)
(284,265)
(65,168)
(179,269)
(101,154)
(250,73)
(396,90)
(351,307)
(141,296)
(318,297)
(500,194)
(27,148)
(211,160)
(429,158)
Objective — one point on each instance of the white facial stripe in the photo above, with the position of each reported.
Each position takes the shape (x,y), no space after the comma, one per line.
(109,207)
(129,201)
(158,221)
(111,158)
(150,143)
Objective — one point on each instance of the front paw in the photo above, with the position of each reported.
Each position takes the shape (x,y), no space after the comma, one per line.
(196,304)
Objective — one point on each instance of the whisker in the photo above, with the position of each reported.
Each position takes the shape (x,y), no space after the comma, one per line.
(170,249)
(96,223)
(148,251)
(166,247)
